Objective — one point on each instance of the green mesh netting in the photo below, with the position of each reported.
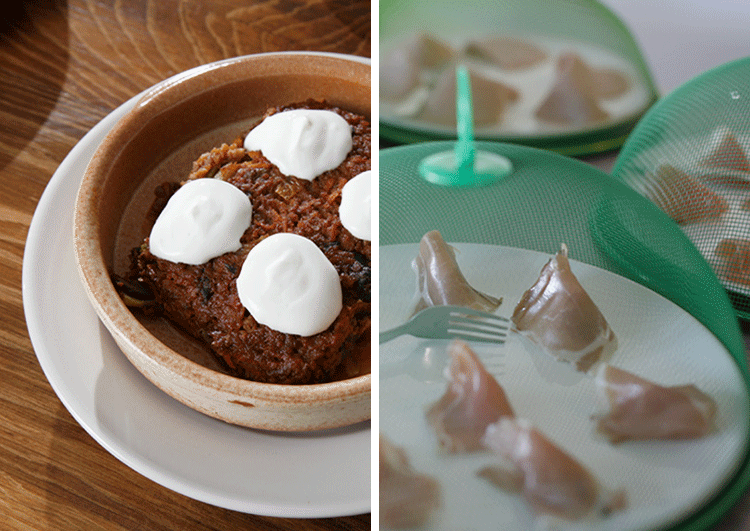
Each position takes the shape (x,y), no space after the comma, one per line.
(690,155)
(564,23)
(549,199)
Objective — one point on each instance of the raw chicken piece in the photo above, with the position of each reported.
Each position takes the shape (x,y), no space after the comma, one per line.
(573,98)
(400,68)
(489,99)
(684,198)
(472,401)
(726,152)
(440,281)
(550,480)
(407,498)
(640,409)
(557,314)
(509,53)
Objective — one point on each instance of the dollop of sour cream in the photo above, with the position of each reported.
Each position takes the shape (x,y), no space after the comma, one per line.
(302,142)
(288,284)
(356,204)
(205,218)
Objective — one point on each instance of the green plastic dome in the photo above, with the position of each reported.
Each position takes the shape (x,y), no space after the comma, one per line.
(564,75)
(690,155)
(548,199)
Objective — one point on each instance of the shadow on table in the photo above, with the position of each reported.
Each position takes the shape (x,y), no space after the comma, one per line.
(34,55)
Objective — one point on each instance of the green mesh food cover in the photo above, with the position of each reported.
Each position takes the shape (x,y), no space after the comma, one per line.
(564,75)
(690,155)
(549,199)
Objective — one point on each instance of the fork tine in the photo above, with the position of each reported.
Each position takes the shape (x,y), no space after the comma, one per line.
(477,315)
(471,335)
(479,320)
(445,322)
(476,325)
(473,322)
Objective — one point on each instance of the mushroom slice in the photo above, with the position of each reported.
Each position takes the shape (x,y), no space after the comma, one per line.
(407,497)
(572,101)
(643,410)
(509,53)
(440,281)
(472,401)
(401,66)
(552,481)
(557,314)
(734,257)
(489,99)
(683,197)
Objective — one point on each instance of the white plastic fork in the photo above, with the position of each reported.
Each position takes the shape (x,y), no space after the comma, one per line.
(449,322)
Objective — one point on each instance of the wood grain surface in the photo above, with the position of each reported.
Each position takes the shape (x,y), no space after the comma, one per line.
(65,65)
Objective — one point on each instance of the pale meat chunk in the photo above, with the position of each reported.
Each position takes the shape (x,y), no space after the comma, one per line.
(489,100)
(407,498)
(726,152)
(684,198)
(550,480)
(557,314)
(440,280)
(400,67)
(572,101)
(473,400)
(734,259)
(643,410)
(509,53)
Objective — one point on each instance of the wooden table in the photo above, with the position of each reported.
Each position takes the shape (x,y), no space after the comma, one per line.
(65,65)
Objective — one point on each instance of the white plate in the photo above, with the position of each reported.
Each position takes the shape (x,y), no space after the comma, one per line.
(665,481)
(310,475)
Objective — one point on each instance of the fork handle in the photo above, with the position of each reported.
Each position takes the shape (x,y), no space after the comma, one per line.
(393,333)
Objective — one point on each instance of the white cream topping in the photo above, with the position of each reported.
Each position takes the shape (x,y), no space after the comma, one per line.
(289,285)
(204,219)
(302,142)
(356,206)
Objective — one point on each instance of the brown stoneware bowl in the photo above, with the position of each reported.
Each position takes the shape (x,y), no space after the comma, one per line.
(169,127)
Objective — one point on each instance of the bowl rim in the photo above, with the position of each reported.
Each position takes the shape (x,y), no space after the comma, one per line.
(113,312)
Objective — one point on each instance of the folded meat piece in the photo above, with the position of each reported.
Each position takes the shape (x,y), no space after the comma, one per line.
(572,101)
(489,99)
(407,497)
(509,53)
(557,314)
(642,410)
(472,401)
(734,256)
(440,281)
(400,67)
(551,480)
(683,197)
(726,152)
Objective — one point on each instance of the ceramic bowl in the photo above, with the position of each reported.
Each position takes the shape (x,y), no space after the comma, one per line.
(170,126)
